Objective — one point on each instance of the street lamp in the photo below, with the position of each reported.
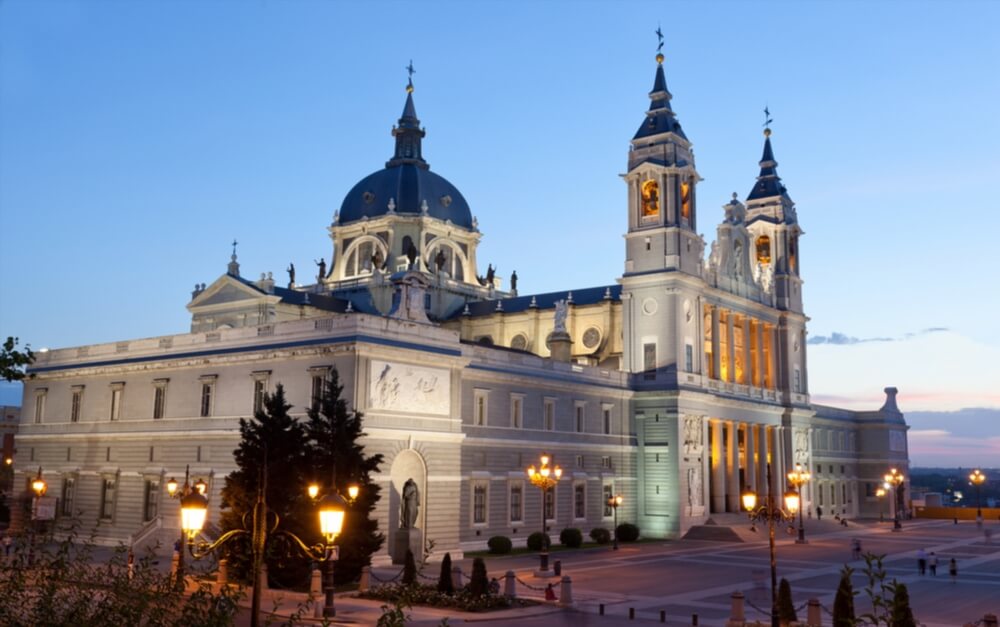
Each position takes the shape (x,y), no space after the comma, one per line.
(613,503)
(894,479)
(880,493)
(771,513)
(332,511)
(798,477)
(544,479)
(978,478)
(180,493)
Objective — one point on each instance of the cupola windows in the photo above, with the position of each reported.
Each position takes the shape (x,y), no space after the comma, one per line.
(686,201)
(764,249)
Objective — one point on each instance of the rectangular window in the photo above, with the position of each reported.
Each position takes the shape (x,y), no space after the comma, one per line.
(606,419)
(259,390)
(317,386)
(649,360)
(833,494)
(843,493)
(206,399)
(108,499)
(819,493)
(608,492)
(606,462)
(579,461)
(798,380)
(550,505)
(40,395)
(68,494)
(159,398)
(117,394)
(516,405)
(549,411)
(76,403)
(516,500)
(580,424)
(151,501)
(580,500)
(480,408)
(688,358)
(479,503)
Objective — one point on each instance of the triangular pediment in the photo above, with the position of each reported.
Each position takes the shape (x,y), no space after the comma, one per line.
(226,290)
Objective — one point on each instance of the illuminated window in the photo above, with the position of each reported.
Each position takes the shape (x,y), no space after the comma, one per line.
(764,249)
(686,201)
(650,199)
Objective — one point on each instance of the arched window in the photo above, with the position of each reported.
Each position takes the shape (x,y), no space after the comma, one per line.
(650,199)
(448,259)
(764,249)
(360,258)
(686,201)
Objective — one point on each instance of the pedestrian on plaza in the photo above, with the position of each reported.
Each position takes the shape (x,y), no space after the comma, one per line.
(550,593)
(932,562)
(953,570)
(922,562)
(856,549)
(819,513)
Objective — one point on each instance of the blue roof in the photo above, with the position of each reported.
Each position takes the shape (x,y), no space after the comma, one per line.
(586,296)
(660,117)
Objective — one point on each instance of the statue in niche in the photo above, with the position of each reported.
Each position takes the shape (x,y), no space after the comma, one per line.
(562,309)
(692,434)
(440,259)
(410,505)
(291,274)
(322,269)
(411,255)
(694,486)
(650,198)
(801,446)
(767,277)
(713,256)
(377,259)
(738,259)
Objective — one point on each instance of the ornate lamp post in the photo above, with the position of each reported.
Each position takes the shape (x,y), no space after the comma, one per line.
(880,493)
(978,478)
(544,479)
(894,479)
(39,487)
(614,502)
(797,478)
(332,509)
(175,492)
(771,513)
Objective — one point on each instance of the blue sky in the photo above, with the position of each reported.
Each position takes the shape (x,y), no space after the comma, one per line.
(137,139)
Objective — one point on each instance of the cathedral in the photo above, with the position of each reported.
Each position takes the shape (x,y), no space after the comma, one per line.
(676,386)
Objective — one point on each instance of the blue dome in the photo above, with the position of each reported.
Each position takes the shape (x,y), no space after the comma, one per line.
(408,185)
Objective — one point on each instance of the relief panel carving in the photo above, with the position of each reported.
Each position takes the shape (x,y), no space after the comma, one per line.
(406,388)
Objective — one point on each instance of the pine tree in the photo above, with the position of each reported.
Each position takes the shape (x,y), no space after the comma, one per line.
(479,583)
(902,615)
(786,608)
(275,443)
(445,584)
(334,453)
(843,603)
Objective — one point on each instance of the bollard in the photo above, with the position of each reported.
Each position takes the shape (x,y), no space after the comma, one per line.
(316,591)
(366,579)
(222,578)
(509,585)
(566,591)
(600,610)
(814,615)
(557,568)
(631,613)
(663,616)
(456,576)
(736,615)
(694,620)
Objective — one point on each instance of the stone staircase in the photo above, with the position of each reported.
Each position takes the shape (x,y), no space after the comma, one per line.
(726,528)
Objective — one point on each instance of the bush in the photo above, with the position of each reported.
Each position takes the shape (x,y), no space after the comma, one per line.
(571,537)
(786,608)
(902,615)
(627,532)
(479,584)
(600,535)
(499,545)
(843,603)
(445,584)
(409,569)
(537,540)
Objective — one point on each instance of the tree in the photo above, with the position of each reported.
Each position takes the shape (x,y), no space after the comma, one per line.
(843,603)
(14,362)
(272,448)
(786,608)
(902,615)
(335,454)
(479,583)
(445,584)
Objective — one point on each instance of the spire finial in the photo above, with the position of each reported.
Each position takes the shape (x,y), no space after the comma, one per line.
(767,122)
(659,47)
(409,82)
(234,247)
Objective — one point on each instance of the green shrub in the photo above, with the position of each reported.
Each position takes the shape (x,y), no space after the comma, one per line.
(843,603)
(479,584)
(499,545)
(627,532)
(445,584)
(786,608)
(537,540)
(902,615)
(571,537)
(600,535)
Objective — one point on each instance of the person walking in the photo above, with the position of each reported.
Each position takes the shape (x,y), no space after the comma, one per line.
(932,562)
(550,593)
(855,549)
(953,570)
(819,513)
(922,562)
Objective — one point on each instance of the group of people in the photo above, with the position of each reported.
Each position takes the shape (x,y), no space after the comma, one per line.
(925,561)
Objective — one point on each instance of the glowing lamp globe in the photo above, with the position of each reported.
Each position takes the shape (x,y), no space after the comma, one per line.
(749,500)
(792,501)
(194,510)
(39,486)
(331,516)
(172,486)
(313,490)
(352,491)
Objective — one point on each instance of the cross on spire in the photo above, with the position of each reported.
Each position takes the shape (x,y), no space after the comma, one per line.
(767,118)
(659,37)
(234,246)
(410,71)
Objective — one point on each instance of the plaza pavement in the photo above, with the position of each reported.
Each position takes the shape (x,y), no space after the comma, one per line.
(688,577)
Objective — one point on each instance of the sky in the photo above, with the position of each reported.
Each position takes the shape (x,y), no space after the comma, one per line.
(138,139)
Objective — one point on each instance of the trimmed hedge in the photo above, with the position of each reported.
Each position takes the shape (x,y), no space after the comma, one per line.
(600,535)
(571,537)
(627,532)
(537,540)
(499,545)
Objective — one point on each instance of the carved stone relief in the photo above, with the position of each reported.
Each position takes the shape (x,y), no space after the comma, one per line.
(801,446)
(693,435)
(402,387)
(695,487)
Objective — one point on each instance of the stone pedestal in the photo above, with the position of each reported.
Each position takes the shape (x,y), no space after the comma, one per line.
(403,539)
(561,346)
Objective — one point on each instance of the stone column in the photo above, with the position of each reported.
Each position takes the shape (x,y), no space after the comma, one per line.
(747,357)
(733,467)
(773,333)
(730,347)
(751,465)
(779,463)
(718,469)
(716,357)
(669,186)
(763,446)
(761,364)
(774,447)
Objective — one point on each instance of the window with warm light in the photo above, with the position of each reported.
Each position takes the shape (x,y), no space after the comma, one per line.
(764,249)
(650,199)
(686,201)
